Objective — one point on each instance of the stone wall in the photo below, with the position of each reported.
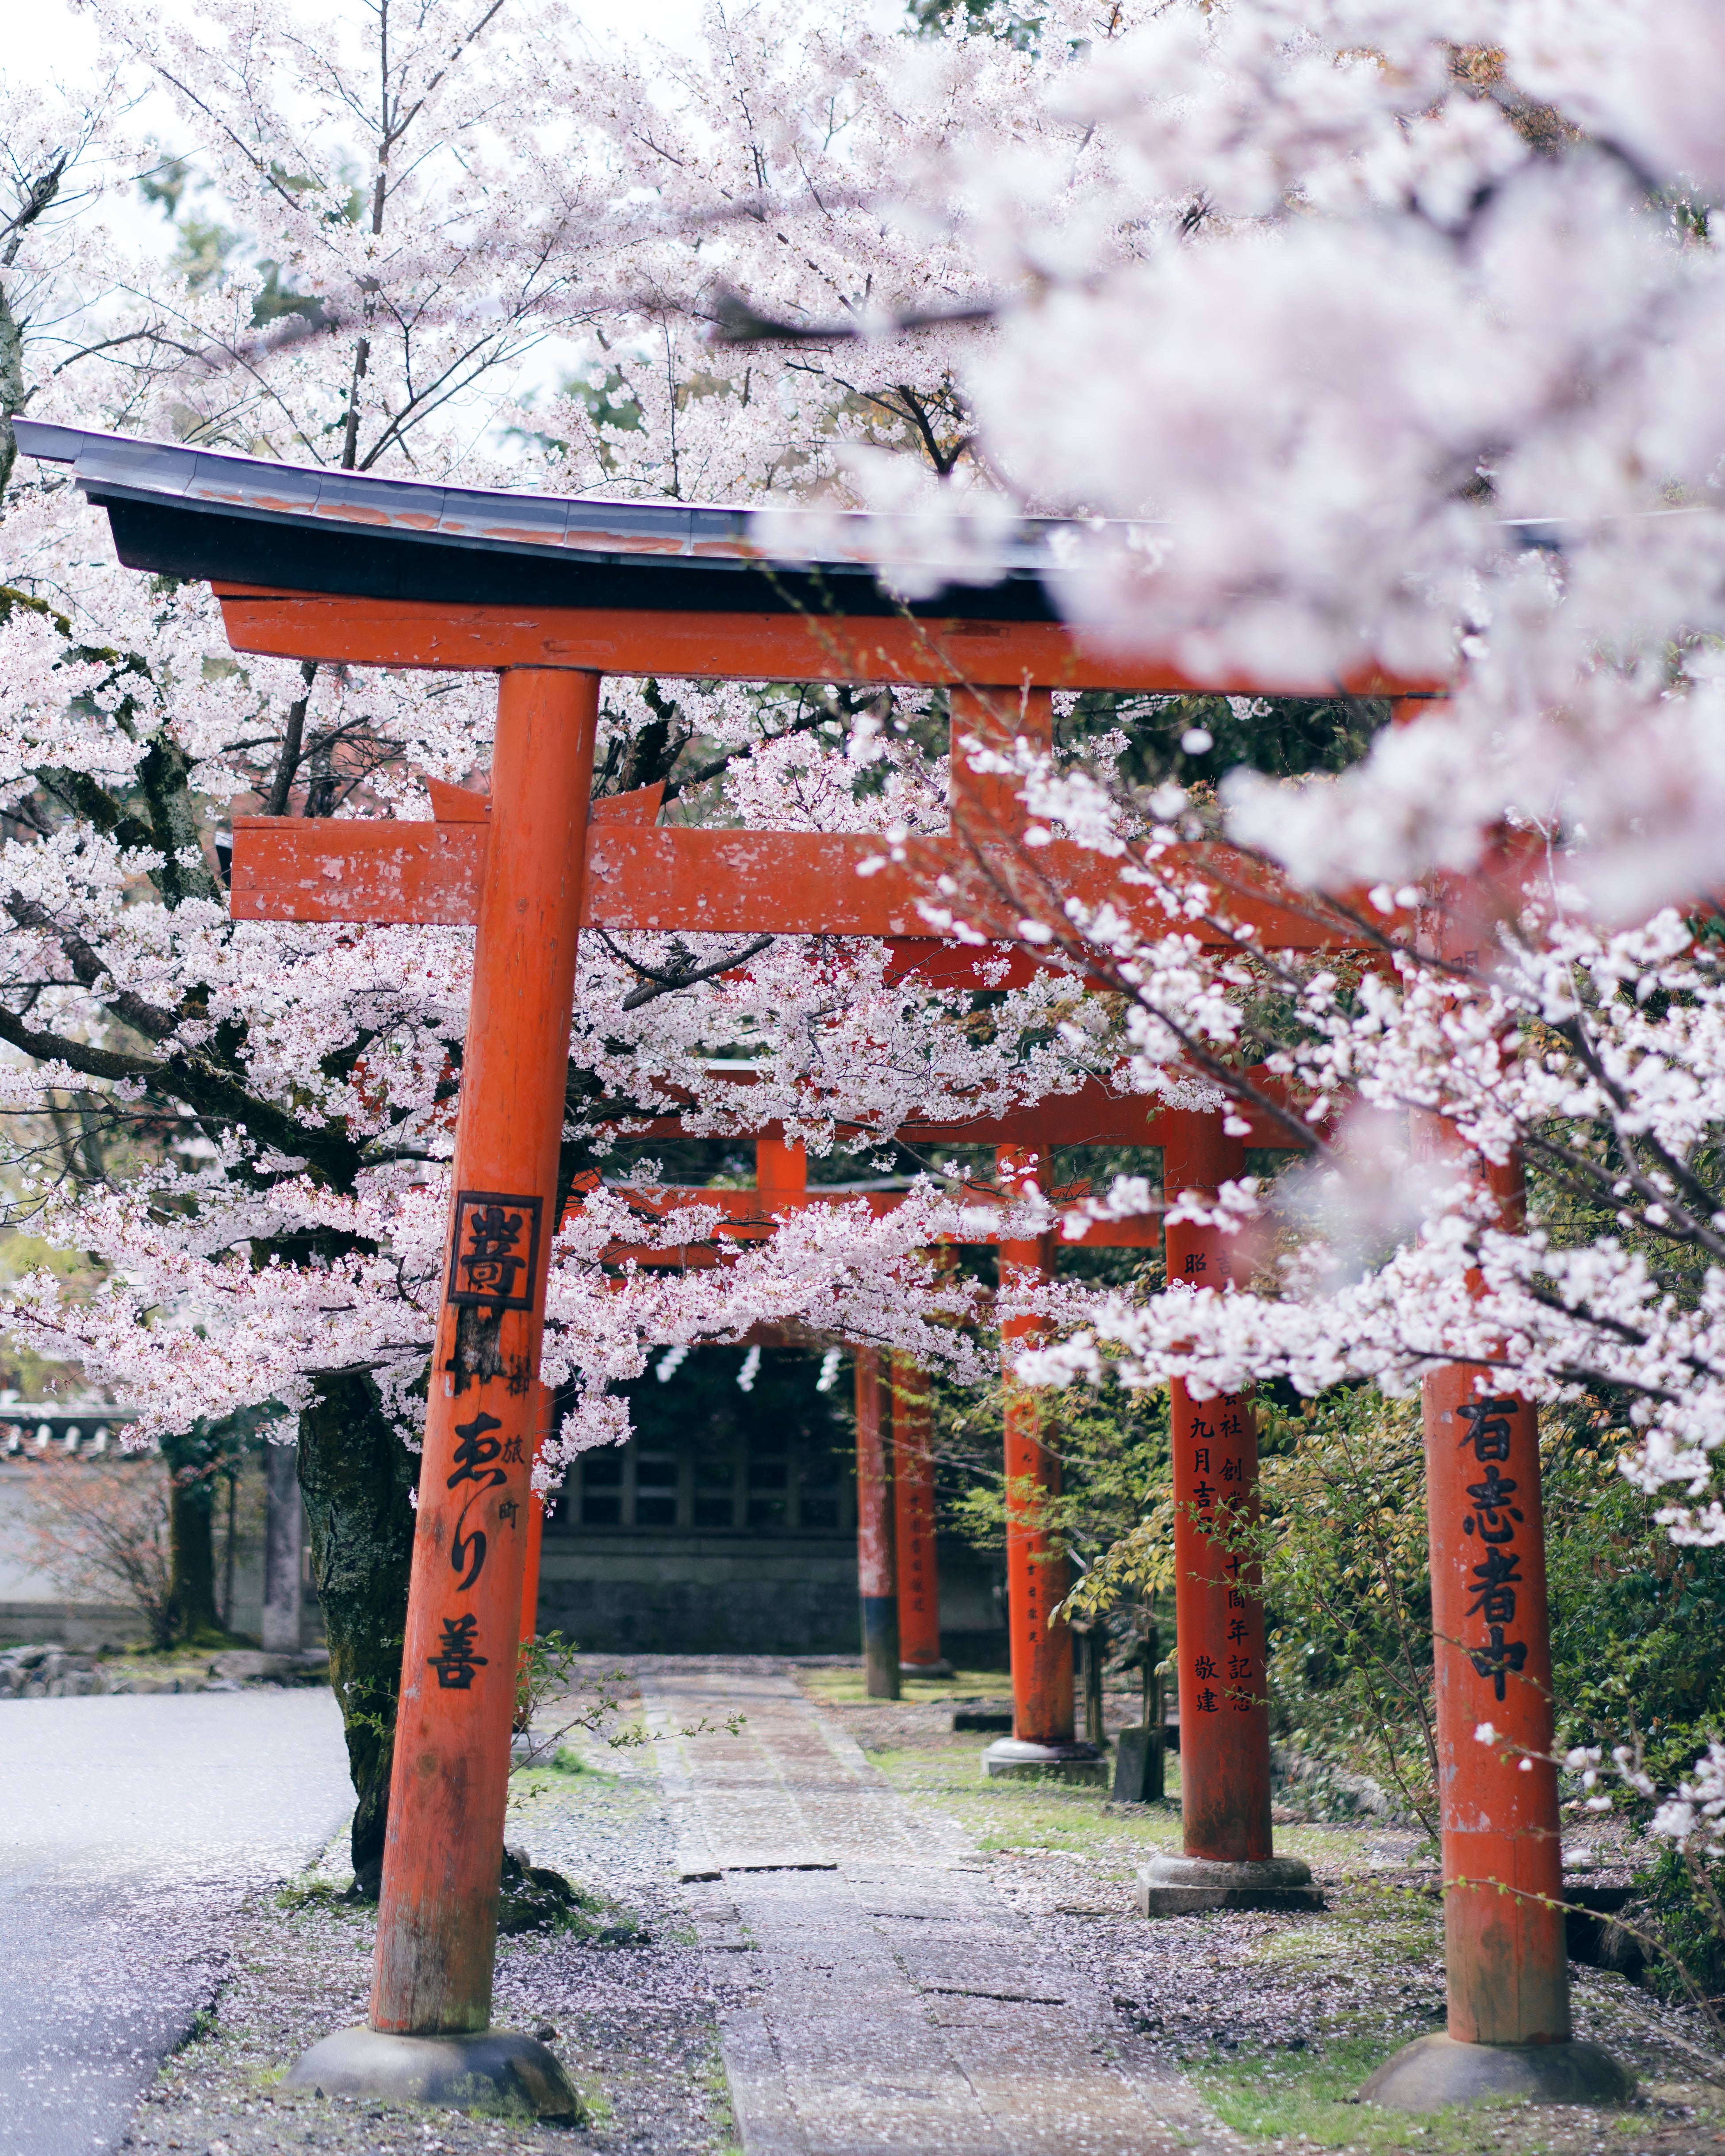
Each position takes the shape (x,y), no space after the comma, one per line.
(35,1608)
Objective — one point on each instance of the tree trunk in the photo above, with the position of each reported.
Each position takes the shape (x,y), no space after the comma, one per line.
(191,1557)
(356,1476)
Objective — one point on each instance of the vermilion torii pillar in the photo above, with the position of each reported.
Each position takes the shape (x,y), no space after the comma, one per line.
(1218,1607)
(1042,1740)
(919,1591)
(876,1574)
(437,1916)
(1505,1954)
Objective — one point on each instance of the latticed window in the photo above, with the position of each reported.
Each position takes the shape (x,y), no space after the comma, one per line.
(709,1459)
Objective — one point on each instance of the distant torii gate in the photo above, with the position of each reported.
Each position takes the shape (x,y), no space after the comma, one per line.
(1225,1761)
(550,593)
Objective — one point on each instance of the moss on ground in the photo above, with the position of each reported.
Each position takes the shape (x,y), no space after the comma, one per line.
(1294,2097)
(1001,1816)
(847,1686)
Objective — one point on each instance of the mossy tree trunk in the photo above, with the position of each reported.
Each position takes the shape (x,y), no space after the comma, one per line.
(356,1476)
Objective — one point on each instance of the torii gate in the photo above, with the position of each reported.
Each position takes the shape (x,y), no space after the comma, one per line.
(1226,1767)
(550,594)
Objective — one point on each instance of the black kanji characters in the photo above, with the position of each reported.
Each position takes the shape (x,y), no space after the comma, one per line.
(1494,1597)
(476,1455)
(1498,1518)
(475,1451)
(1502,1657)
(1493,1522)
(1487,1428)
(455,1662)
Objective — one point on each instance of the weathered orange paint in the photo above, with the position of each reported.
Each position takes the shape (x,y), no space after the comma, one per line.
(1093,1114)
(1504,1946)
(723,646)
(919,1588)
(781,1171)
(1219,1611)
(753,1216)
(437,1921)
(876,1577)
(640,879)
(1036,1580)
(985,805)
(294,868)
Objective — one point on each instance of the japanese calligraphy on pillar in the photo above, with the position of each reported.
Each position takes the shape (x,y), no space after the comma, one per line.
(1490,1524)
(913,1558)
(495,1253)
(482,1461)
(494,1263)
(494,1257)
(1226,1667)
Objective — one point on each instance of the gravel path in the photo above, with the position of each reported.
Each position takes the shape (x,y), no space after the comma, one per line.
(635,2025)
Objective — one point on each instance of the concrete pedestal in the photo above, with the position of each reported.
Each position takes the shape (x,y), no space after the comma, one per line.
(1436,2071)
(1178,1885)
(499,2073)
(1011,1759)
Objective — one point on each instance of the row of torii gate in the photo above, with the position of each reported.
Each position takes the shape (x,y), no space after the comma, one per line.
(551,595)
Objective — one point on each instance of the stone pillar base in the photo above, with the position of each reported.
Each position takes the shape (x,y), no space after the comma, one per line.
(1139,1765)
(1436,2071)
(1178,1885)
(500,2073)
(1011,1759)
(942,1668)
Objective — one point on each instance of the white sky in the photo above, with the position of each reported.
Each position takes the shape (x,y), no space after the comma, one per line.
(55,41)
(52,39)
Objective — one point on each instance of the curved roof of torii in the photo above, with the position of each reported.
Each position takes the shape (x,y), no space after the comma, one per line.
(207,515)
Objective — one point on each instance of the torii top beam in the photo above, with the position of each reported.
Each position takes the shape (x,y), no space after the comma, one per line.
(339,566)
(311,562)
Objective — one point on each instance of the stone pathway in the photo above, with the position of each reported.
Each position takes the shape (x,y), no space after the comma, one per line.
(898,2003)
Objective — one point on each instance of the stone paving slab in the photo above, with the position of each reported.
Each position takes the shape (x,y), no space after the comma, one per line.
(898,2003)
